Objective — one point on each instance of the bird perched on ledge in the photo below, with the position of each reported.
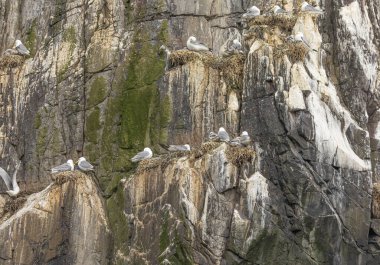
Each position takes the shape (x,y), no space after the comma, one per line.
(147,153)
(21,48)
(68,166)
(252,12)
(84,165)
(277,10)
(306,7)
(194,45)
(176,148)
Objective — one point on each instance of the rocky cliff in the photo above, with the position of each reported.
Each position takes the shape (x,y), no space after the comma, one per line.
(97,85)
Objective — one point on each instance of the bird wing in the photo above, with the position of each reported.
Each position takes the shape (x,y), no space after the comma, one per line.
(7,179)
(223,136)
(304,41)
(177,148)
(22,49)
(311,8)
(140,156)
(86,165)
(61,168)
(200,44)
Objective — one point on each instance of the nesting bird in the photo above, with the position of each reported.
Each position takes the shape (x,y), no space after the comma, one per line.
(194,45)
(176,148)
(213,136)
(277,10)
(22,50)
(68,166)
(242,140)
(232,47)
(223,135)
(252,12)
(84,165)
(147,153)
(306,7)
(12,186)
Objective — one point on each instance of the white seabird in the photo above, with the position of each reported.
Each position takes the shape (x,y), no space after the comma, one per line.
(12,186)
(236,142)
(213,136)
(194,45)
(245,139)
(252,12)
(84,165)
(300,38)
(21,48)
(306,7)
(147,153)
(223,135)
(175,148)
(68,166)
(231,47)
(277,10)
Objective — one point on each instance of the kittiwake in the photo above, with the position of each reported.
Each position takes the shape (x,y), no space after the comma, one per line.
(21,48)
(277,10)
(68,166)
(223,135)
(194,45)
(10,52)
(252,12)
(306,7)
(84,165)
(231,47)
(213,136)
(147,153)
(175,148)
(245,139)
(12,186)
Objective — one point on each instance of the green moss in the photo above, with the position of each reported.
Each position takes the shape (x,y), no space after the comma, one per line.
(69,35)
(93,125)
(164,235)
(41,140)
(262,248)
(31,38)
(97,92)
(37,121)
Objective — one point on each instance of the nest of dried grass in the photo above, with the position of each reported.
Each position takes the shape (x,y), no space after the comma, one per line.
(204,149)
(63,177)
(12,206)
(240,155)
(231,67)
(296,51)
(162,161)
(285,22)
(11,61)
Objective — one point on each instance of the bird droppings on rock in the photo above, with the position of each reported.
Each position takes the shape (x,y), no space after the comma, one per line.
(239,156)
(11,61)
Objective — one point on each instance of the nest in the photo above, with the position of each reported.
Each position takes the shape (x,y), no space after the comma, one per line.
(161,161)
(12,206)
(11,61)
(231,67)
(239,155)
(204,149)
(285,22)
(63,177)
(296,51)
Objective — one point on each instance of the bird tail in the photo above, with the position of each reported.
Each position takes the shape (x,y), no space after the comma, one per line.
(210,49)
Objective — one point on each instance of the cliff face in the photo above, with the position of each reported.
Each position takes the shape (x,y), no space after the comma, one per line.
(96,85)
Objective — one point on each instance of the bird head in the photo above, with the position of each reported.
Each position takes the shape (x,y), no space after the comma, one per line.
(187,147)
(275,8)
(236,41)
(192,39)
(221,129)
(81,159)
(304,4)
(147,149)
(244,133)
(18,43)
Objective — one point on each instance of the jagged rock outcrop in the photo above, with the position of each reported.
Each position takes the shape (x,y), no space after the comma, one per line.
(66,223)
(96,85)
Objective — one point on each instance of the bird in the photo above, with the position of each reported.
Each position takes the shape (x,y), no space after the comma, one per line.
(231,47)
(213,136)
(21,48)
(306,7)
(194,45)
(12,186)
(10,52)
(176,148)
(236,142)
(147,153)
(245,140)
(68,166)
(252,12)
(84,165)
(223,135)
(278,10)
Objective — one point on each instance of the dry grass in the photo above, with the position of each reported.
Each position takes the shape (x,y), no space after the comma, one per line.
(162,161)
(231,67)
(204,149)
(238,155)
(295,51)
(63,177)
(11,61)
(285,22)
(13,205)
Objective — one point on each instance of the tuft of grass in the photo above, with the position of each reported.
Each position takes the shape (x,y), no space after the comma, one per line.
(285,22)
(240,155)
(162,161)
(12,206)
(295,51)
(231,67)
(11,61)
(204,149)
